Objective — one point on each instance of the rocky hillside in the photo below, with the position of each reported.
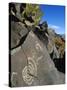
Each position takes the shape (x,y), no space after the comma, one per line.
(37,52)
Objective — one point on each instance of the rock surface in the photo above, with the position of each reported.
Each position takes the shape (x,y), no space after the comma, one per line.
(32,65)
(18,32)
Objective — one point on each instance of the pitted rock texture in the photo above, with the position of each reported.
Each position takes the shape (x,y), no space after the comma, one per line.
(33,65)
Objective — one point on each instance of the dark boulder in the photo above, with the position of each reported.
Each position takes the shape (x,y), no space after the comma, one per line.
(22,7)
(60,63)
(12,8)
(44,26)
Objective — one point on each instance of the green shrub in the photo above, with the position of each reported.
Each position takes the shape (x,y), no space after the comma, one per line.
(34,11)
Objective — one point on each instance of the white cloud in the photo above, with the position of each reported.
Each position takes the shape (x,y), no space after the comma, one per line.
(53,26)
(57,29)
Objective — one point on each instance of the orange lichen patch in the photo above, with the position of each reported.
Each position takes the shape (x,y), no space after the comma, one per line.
(60,44)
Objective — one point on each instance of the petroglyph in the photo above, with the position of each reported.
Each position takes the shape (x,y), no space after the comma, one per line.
(14,78)
(39,58)
(32,66)
(28,79)
(38,47)
(15,50)
(29,72)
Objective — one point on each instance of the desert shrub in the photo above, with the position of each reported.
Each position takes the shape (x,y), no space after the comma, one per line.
(34,11)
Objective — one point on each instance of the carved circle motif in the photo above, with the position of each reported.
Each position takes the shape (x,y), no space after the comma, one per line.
(30,71)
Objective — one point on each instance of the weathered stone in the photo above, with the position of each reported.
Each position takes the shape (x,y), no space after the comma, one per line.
(44,26)
(41,35)
(18,31)
(50,46)
(18,62)
(28,23)
(56,53)
(51,33)
(34,65)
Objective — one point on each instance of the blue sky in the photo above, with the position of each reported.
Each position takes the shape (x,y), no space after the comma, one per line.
(55,17)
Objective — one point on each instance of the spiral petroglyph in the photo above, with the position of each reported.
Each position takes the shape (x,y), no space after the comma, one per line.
(32,66)
(29,72)
(26,77)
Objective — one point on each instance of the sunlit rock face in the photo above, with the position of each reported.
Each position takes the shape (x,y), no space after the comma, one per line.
(32,65)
